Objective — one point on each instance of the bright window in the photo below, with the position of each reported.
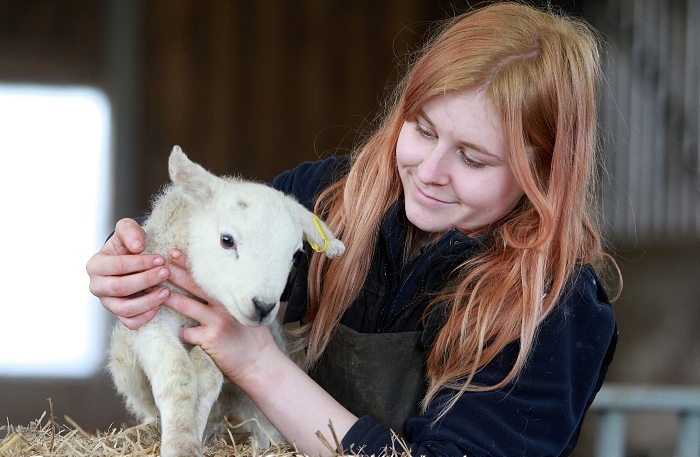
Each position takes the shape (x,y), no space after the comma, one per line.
(55,204)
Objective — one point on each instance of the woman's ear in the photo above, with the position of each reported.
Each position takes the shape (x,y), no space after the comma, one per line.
(316,232)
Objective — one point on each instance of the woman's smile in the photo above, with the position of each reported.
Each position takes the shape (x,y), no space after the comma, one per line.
(428,199)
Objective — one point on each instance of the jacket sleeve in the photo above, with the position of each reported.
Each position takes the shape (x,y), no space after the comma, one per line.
(303,181)
(540,413)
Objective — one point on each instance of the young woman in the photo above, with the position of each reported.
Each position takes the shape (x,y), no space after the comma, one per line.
(466,314)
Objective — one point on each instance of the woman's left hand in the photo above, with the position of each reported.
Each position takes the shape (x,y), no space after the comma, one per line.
(250,358)
(235,348)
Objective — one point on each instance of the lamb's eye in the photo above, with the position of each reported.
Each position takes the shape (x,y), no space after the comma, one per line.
(227,241)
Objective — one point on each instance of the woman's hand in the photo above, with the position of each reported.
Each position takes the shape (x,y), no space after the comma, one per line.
(126,281)
(250,358)
(234,347)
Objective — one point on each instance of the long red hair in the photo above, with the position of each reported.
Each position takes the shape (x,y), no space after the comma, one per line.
(540,72)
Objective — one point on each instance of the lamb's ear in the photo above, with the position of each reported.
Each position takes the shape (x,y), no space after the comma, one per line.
(195,182)
(316,232)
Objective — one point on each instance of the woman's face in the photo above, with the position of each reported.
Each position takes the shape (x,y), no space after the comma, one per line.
(453,167)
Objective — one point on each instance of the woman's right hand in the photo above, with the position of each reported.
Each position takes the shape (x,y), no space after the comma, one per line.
(125,280)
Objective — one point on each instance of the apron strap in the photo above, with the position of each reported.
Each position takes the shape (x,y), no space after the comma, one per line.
(377,374)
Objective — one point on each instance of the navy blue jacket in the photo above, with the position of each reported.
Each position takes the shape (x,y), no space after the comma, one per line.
(538,414)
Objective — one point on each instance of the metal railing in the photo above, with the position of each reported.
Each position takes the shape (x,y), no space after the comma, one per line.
(614,401)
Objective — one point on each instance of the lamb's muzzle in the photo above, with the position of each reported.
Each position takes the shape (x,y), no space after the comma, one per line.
(263,309)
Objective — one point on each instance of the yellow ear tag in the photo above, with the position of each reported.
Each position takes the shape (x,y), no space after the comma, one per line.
(326,241)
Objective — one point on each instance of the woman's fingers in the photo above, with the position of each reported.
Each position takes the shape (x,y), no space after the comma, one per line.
(138,320)
(178,257)
(130,307)
(181,277)
(190,307)
(118,271)
(124,276)
(129,237)
(103,264)
(125,281)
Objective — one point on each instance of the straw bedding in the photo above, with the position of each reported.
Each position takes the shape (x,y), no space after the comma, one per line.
(48,438)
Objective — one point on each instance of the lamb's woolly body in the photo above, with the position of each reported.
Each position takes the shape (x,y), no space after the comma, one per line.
(157,374)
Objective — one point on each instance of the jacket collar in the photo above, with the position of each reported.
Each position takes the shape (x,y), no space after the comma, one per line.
(394,229)
(453,245)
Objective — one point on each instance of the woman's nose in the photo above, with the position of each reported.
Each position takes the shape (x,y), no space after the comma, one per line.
(433,169)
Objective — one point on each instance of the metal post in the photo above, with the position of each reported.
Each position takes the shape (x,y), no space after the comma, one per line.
(611,434)
(688,439)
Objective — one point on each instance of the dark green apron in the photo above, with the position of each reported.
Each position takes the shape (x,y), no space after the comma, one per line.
(377,374)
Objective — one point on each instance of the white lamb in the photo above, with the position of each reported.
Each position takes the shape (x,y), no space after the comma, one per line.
(239,238)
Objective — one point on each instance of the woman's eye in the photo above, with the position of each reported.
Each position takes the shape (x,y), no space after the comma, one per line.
(227,241)
(424,133)
(472,163)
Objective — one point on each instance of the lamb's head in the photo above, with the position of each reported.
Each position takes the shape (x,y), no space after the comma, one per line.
(242,239)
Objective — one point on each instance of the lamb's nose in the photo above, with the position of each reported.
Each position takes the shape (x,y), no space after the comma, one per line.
(262,308)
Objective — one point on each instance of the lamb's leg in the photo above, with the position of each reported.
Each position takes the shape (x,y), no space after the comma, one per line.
(129,379)
(208,388)
(174,383)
